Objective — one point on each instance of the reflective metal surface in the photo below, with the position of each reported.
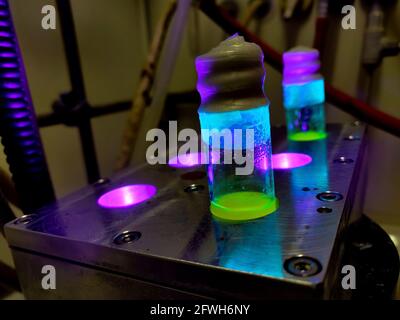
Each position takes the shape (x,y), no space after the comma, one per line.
(182,247)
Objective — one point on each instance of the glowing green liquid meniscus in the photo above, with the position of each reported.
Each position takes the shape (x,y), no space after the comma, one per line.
(244,205)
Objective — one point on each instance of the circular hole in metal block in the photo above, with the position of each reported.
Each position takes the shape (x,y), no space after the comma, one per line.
(25,219)
(343,160)
(194,188)
(302,266)
(329,196)
(324,210)
(127,237)
(101,182)
(352,138)
(306,189)
(193,175)
(127,196)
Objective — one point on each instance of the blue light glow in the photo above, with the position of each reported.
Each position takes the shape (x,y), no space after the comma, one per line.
(299,95)
(256,119)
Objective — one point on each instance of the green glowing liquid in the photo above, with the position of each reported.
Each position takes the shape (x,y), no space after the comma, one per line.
(307,136)
(242,206)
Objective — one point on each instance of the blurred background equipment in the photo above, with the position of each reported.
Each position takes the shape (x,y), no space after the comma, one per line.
(142,98)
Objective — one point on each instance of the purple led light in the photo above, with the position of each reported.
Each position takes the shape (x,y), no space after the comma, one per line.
(9,65)
(283,161)
(5,44)
(188,160)
(16,105)
(127,196)
(7,55)
(14,95)
(11,75)
(11,85)
(5,34)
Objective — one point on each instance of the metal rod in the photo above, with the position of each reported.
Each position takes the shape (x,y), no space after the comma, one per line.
(51,119)
(78,88)
(6,214)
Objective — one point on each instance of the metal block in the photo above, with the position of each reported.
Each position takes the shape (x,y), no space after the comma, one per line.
(179,250)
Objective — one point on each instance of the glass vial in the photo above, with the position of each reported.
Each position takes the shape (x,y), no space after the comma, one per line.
(303,95)
(234,118)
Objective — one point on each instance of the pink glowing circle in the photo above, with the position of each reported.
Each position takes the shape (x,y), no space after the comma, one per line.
(127,196)
(282,161)
(188,160)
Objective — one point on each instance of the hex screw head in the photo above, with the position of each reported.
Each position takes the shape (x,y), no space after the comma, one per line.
(352,138)
(324,210)
(329,196)
(127,237)
(101,182)
(302,266)
(194,188)
(343,160)
(25,219)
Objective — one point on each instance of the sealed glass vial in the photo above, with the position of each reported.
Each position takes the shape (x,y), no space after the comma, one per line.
(303,95)
(234,119)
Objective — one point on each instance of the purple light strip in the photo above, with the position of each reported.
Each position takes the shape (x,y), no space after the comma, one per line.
(20,136)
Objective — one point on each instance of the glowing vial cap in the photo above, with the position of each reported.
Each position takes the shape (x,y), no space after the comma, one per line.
(302,84)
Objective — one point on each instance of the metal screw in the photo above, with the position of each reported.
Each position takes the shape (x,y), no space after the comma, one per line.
(352,138)
(302,266)
(25,219)
(194,188)
(127,237)
(324,210)
(101,181)
(357,123)
(329,196)
(343,160)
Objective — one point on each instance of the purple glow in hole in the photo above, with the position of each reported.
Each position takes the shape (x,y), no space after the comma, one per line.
(283,161)
(188,160)
(127,196)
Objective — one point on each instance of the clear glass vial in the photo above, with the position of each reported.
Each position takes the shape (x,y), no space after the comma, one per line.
(303,95)
(234,118)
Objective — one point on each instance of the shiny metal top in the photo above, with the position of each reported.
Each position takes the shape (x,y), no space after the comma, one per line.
(173,240)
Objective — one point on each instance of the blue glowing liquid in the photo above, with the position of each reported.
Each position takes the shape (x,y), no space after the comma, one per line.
(223,177)
(305,115)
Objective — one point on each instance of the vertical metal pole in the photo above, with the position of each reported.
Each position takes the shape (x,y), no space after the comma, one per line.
(78,88)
